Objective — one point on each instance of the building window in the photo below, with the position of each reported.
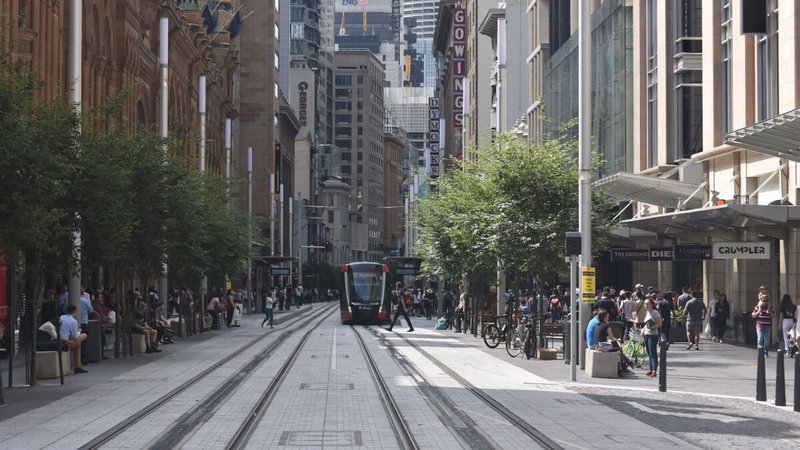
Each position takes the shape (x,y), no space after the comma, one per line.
(344,80)
(277,61)
(767,65)
(277,90)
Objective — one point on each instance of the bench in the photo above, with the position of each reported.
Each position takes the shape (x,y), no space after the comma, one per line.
(602,364)
(47,364)
(554,331)
(138,344)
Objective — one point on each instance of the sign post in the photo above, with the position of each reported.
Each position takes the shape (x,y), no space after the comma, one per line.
(572,249)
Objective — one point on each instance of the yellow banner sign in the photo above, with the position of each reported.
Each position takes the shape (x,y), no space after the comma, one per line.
(228,284)
(587,284)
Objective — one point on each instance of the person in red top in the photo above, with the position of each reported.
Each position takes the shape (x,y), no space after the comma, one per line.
(763,315)
(213,308)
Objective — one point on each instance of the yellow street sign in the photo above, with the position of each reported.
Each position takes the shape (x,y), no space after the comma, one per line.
(228,284)
(587,284)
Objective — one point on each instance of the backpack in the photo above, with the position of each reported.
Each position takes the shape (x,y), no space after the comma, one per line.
(441,324)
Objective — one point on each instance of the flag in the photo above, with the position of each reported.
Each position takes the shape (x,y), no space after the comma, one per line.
(209,19)
(235,26)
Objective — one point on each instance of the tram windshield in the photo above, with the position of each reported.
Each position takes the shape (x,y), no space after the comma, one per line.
(365,284)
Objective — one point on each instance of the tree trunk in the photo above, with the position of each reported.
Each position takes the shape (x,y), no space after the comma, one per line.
(34,286)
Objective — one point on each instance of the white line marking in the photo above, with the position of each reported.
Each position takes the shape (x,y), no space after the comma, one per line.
(698,415)
(333,351)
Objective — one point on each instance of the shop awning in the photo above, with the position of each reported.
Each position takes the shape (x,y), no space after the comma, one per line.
(650,190)
(778,136)
(758,218)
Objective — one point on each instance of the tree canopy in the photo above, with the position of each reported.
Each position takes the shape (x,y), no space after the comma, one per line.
(512,203)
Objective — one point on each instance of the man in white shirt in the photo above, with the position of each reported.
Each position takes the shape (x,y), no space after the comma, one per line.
(72,337)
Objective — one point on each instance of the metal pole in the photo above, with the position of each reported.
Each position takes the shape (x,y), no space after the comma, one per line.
(249,227)
(74,68)
(291,229)
(300,248)
(408,225)
(574,334)
(585,152)
(780,380)
(280,218)
(163,128)
(202,167)
(202,110)
(272,214)
(228,158)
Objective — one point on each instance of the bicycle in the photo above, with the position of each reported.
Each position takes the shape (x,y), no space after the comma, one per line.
(496,332)
(518,339)
(634,349)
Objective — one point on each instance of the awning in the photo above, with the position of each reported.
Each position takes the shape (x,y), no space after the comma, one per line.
(650,190)
(269,261)
(758,218)
(778,136)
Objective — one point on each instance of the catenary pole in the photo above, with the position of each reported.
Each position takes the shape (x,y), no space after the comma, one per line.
(163,127)
(291,229)
(272,215)
(249,227)
(585,153)
(280,219)
(75,65)
(202,160)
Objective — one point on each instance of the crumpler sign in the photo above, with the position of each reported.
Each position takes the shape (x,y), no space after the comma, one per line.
(741,250)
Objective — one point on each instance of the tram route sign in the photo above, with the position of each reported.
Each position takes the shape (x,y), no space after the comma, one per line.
(279,270)
(406,271)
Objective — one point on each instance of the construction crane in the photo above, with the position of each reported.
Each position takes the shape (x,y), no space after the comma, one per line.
(342,31)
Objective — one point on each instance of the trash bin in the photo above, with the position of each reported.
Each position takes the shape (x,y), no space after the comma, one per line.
(749,329)
(94,348)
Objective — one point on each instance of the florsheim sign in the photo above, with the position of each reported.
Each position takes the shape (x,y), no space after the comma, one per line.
(717,250)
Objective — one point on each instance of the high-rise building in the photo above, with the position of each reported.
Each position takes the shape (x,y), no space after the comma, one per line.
(419,16)
(373,25)
(408,107)
(358,91)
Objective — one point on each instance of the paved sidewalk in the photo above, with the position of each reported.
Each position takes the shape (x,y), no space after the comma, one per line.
(710,399)
(21,399)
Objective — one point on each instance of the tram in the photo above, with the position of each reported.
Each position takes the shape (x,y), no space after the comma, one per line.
(364,300)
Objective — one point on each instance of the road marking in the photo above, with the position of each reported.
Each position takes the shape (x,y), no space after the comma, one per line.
(698,415)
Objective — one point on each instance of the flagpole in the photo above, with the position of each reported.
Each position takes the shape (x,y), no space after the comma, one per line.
(74,67)
(163,125)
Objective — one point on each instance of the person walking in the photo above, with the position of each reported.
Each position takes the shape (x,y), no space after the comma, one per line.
(651,331)
(712,314)
(229,307)
(448,302)
(664,307)
(763,315)
(269,304)
(695,314)
(723,311)
(402,304)
(429,302)
(788,315)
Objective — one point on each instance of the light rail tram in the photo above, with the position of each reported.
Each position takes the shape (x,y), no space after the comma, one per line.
(365,300)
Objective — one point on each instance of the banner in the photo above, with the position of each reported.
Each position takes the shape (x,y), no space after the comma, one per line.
(630,254)
(587,284)
(692,252)
(741,250)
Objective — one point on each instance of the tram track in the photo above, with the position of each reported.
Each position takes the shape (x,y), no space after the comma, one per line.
(462,426)
(400,427)
(256,414)
(178,428)
(518,422)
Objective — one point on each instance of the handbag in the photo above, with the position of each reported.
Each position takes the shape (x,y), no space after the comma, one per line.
(441,324)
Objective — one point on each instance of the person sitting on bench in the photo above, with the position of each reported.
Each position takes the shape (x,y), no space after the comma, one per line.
(72,338)
(605,341)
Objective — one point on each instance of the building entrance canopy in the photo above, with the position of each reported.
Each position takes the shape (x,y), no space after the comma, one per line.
(778,136)
(650,190)
(768,220)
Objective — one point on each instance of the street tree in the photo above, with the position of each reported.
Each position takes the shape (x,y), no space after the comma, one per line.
(512,203)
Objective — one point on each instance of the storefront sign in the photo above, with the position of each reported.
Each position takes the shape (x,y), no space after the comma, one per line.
(692,252)
(279,270)
(587,284)
(629,254)
(433,136)
(661,253)
(302,87)
(459,64)
(741,250)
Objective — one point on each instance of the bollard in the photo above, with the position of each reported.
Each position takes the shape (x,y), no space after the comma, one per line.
(761,378)
(780,381)
(662,374)
(797,383)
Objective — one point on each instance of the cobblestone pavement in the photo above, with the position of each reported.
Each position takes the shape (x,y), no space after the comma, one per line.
(329,398)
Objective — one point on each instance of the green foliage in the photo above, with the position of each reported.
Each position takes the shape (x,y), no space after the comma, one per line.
(513,205)
(38,164)
(132,200)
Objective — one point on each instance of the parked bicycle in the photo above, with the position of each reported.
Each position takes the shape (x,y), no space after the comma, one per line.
(521,338)
(496,332)
(634,348)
